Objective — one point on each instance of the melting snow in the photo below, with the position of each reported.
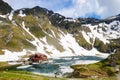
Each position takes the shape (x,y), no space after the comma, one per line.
(14,23)
(21,14)
(49,22)
(97,31)
(36,42)
(71,20)
(65,69)
(96,34)
(11,15)
(67,41)
(24,66)
(11,56)
(3,16)
(87,38)
(116,27)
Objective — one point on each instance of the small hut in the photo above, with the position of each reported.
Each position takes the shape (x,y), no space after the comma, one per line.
(38,57)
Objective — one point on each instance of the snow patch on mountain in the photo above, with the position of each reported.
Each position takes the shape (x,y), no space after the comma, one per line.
(11,15)
(69,44)
(36,41)
(12,56)
(67,41)
(98,33)
(21,13)
(114,28)
(70,20)
(53,33)
(103,31)
(87,37)
(14,23)
(49,22)
(3,16)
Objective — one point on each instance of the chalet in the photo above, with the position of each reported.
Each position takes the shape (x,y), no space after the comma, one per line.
(38,57)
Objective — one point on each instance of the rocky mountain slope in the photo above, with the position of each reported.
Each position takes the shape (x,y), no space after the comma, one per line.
(41,30)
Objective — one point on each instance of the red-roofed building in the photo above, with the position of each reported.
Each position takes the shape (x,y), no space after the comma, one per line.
(37,57)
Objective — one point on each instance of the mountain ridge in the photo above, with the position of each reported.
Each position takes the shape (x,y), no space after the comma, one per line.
(40,30)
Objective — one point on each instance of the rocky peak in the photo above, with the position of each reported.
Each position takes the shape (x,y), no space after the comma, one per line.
(4,7)
(113,18)
(38,9)
(94,21)
(88,20)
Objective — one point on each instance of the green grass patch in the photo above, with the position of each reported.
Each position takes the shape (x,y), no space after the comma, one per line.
(9,72)
(20,75)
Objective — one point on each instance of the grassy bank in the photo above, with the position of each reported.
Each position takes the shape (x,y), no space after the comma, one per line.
(98,71)
(9,72)
(21,75)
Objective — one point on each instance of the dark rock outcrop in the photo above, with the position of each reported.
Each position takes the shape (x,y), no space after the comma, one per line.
(4,8)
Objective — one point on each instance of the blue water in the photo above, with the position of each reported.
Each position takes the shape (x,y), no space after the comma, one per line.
(55,64)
